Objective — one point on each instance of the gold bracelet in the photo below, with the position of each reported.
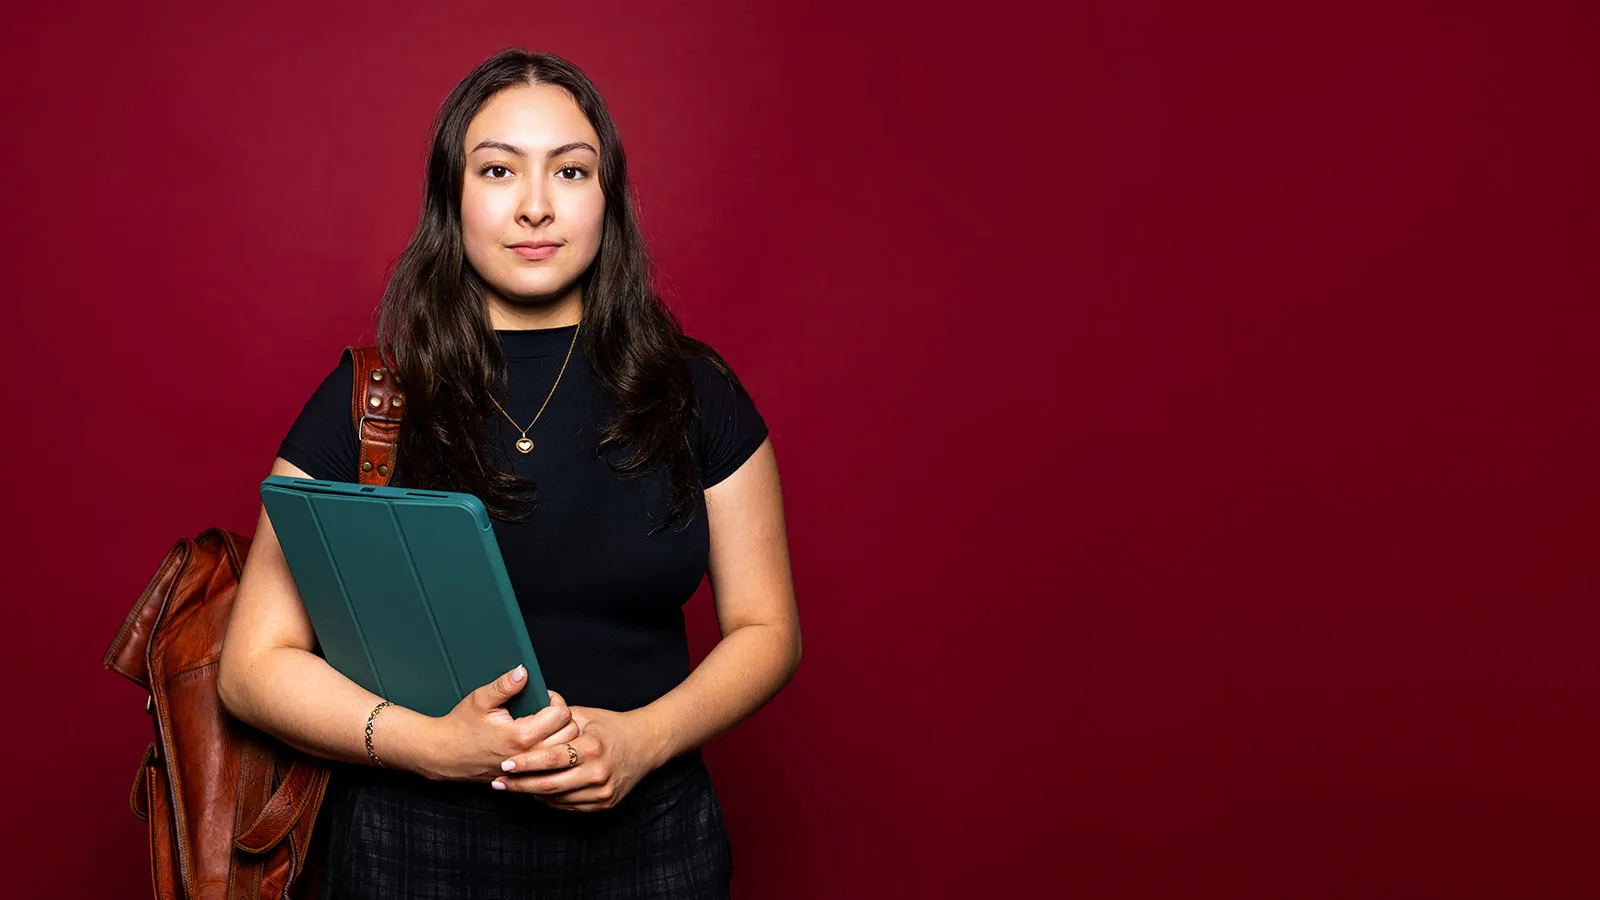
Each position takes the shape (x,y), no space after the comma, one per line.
(370,719)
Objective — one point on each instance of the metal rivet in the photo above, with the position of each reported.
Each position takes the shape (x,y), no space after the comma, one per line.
(377,374)
(366,467)
(398,400)
(383,470)
(375,402)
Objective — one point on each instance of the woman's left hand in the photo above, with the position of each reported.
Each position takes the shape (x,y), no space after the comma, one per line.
(614,750)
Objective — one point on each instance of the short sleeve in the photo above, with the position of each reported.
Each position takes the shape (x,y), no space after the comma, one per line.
(322,441)
(728,426)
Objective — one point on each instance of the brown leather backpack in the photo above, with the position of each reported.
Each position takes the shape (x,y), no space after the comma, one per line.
(230,807)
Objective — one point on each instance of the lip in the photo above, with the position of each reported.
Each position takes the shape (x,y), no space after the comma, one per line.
(535,249)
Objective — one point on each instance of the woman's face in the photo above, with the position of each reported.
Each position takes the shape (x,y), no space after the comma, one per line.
(533,175)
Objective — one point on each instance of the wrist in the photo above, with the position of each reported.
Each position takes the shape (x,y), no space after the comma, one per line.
(405,739)
(659,741)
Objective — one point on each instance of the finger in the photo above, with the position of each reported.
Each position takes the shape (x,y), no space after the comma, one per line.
(531,730)
(557,707)
(582,796)
(544,759)
(575,807)
(565,735)
(545,783)
(497,692)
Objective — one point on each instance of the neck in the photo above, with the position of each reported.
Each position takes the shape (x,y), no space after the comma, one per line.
(508,315)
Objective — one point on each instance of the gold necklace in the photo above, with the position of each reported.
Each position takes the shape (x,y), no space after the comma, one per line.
(525,445)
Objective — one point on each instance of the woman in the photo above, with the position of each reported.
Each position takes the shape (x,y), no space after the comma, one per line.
(621,462)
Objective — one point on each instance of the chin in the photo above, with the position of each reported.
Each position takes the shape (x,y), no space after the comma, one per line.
(533,289)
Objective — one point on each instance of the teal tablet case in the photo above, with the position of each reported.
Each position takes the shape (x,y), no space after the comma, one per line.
(406,590)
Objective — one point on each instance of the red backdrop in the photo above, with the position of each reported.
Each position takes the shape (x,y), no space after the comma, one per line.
(1186,412)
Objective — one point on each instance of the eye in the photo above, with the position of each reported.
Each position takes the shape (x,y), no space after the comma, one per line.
(584,173)
(486,169)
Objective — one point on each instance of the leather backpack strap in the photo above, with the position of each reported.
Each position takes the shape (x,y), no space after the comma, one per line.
(376,407)
(303,785)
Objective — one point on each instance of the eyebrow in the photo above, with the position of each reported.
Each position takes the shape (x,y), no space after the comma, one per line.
(518,151)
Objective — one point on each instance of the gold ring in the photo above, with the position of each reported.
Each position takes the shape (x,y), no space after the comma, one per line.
(572,756)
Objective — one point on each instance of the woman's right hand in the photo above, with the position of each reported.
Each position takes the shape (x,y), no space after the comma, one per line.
(479,734)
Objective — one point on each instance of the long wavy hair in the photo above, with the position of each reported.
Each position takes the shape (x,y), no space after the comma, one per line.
(435,335)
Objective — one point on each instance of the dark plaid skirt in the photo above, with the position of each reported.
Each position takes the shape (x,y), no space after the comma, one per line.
(396,836)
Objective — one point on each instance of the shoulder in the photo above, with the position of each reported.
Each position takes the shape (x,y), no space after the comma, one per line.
(711,372)
(727,425)
(332,395)
(341,378)
(716,385)
(322,441)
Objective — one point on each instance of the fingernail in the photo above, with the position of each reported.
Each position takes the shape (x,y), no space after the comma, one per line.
(518,674)
(508,765)
(499,786)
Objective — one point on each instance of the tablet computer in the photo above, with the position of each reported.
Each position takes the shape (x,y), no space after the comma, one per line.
(406,590)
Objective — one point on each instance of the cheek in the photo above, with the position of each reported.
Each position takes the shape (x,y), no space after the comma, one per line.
(482,223)
(588,213)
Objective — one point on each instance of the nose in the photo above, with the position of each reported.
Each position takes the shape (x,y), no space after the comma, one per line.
(534,207)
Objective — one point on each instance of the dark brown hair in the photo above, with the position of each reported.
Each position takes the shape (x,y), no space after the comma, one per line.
(435,335)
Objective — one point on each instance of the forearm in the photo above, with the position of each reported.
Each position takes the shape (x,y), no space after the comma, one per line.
(742,672)
(298,698)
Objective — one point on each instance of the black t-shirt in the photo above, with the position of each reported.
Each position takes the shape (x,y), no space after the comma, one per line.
(603,602)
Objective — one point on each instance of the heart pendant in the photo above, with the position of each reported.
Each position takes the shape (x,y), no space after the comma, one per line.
(524,445)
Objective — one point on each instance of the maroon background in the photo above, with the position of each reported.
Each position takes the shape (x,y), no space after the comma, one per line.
(1186,412)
